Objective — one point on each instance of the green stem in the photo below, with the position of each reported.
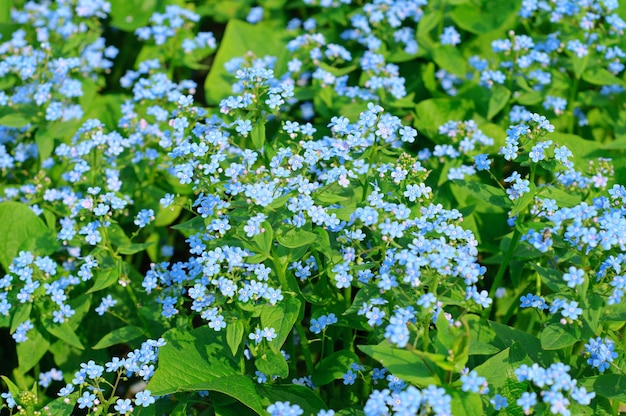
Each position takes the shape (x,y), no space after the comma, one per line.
(5,11)
(570,105)
(503,266)
(306,351)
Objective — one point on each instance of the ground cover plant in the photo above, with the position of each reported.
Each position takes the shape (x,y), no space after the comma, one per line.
(326,207)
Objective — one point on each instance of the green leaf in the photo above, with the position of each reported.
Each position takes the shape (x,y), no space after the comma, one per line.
(5,11)
(20,314)
(600,76)
(20,228)
(166,216)
(611,386)
(272,364)
(192,226)
(555,336)
(104,278)
(450,59)
(402,363)
(563,199)
(487,193)
(61,406)
(551,278)
(129,15)
(31,351)
(45,144)
(258,135)
(265,239)
(499,98)
(119,336)
(281,317)
(481,337)
(240,38)
(521,203)
(234,335)
(304,397)
(13,389)
(15,120)
(532,346)
(133,248)
(466,404)
(334,367)
(322,243)
(296,238)
(434,112)
(579,65)
(494,368)
(484,16)
(64,332)
(201,360)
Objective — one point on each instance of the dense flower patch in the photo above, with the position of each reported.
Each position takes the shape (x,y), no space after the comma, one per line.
(312,207)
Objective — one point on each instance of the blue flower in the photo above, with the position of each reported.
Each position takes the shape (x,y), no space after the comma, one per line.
(450,36)
(86,400)
(349,378)
(144,398)
(527,401)
(123,406)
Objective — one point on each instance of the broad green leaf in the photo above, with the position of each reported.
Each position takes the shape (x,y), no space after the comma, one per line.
(334,367)
(272,364)
(487,193)
(13,389)
(579,65)
(119,336)
(104,278)
(117,235)
(484,16)
(31,351)
(239,39)
(59,406)
(304,397)
(234,335)
(521,203)
(322,243)
(465,403)
(281,317)
(192,226)
(296,238)
(364,294)
(555,336)
(265,239)
(402,363)
(611,386)
(499,98)
(450,59)
(481,337)
(551,278)
(166,216)
(600,76)
(201,360)
(532,346)
(20,313)
(5,11)
(64,332)
(258,135)
(582,149)
(563,199)
(494,369)
(45,144)
(129,15)
(16,120)
(133,248)
(434,112)
(20,228)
